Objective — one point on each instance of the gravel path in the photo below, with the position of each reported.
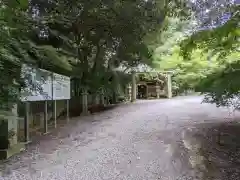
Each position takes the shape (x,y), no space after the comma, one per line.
(147,140)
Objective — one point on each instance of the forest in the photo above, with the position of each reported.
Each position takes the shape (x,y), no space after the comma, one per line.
(88,40)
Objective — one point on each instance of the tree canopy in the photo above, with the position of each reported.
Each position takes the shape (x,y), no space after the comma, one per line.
(220,40)
(219,34)
(88,40)
(82,39)
(205,57)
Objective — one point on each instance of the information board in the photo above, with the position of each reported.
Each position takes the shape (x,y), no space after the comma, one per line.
(44,85)
(61,87)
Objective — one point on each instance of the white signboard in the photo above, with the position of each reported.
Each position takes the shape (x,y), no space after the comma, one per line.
(44,85)
(61,87)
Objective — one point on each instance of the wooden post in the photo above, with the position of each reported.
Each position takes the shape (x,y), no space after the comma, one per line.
(45,128)
(85,103)
(126,92)
(97,99)
(102,97)
(67,110)
(169,86)
(158,91)
(129,92)
(55,113)
(54,102)
(134,87)
(26,122)
(13,124)
(107,100)
(146,91)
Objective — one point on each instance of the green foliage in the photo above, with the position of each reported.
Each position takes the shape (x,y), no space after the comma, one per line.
(17,48)
(10,51)
(167,37)
(193,73)
(222,86)
(103,36)
(222,40)
(207,61)
(152,77)
(83,39)
(188,73)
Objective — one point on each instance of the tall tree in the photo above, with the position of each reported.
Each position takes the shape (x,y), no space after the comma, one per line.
(100,35)
(93,36)
(13,27)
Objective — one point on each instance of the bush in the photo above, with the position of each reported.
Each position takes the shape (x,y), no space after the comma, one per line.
(121,98)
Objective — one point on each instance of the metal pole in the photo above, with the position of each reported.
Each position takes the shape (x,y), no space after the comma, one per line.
(67,110)
(45,117)
(26,122)
(54,104)
(55,113)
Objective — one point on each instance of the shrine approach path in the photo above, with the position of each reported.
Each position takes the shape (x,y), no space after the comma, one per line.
(166,139)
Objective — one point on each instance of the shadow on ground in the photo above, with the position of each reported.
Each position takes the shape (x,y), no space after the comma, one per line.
(220,146)
(94,108)
(65,134)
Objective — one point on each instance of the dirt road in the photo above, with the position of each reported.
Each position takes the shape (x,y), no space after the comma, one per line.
(168,139)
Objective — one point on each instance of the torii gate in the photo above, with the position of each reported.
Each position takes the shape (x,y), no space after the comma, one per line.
(139,70)
(142,68)
(134,85)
